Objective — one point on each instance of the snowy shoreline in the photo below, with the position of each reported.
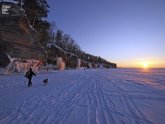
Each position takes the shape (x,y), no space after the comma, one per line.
(104,96)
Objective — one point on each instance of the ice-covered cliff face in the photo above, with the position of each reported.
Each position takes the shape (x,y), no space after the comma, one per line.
(17,38)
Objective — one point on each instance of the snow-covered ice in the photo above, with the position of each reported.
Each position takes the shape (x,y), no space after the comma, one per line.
(101,96)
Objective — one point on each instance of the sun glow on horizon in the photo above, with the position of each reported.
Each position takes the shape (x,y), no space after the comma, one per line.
(145,65)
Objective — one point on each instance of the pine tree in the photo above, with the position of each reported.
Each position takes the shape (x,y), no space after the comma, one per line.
(58,38)
(36,12)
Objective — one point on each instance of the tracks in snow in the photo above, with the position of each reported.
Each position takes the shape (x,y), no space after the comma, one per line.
(99,111)
(135,114)
(54,105)
(103,109)
(90,91)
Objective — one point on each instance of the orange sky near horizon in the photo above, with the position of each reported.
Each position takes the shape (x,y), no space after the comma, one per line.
(142,63)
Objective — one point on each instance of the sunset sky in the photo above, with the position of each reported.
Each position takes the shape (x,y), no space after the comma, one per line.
(130,33)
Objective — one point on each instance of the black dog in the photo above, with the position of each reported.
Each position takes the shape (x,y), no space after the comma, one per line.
(45,81)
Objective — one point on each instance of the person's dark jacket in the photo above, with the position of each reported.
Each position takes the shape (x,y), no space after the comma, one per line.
(29,74)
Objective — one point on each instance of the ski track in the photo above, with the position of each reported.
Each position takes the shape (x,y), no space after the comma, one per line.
(134,112)
(104,99)
(67,96)
(100,111)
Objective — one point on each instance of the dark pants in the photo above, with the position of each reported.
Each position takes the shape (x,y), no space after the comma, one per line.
(30,81)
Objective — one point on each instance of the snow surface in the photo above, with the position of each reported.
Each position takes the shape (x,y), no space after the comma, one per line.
(101,96)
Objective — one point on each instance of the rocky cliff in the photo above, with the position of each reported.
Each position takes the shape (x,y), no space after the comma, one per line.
(17,38)
(19,47)
(72,60)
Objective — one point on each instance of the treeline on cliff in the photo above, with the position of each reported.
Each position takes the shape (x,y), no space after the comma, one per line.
(56,43)
(37,12)
(63,45)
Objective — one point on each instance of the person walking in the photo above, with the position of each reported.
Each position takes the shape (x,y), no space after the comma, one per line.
(29,74)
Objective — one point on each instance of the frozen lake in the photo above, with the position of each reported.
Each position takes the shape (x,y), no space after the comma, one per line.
(105,96)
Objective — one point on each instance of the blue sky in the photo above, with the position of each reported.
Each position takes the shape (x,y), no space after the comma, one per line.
(127,32)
